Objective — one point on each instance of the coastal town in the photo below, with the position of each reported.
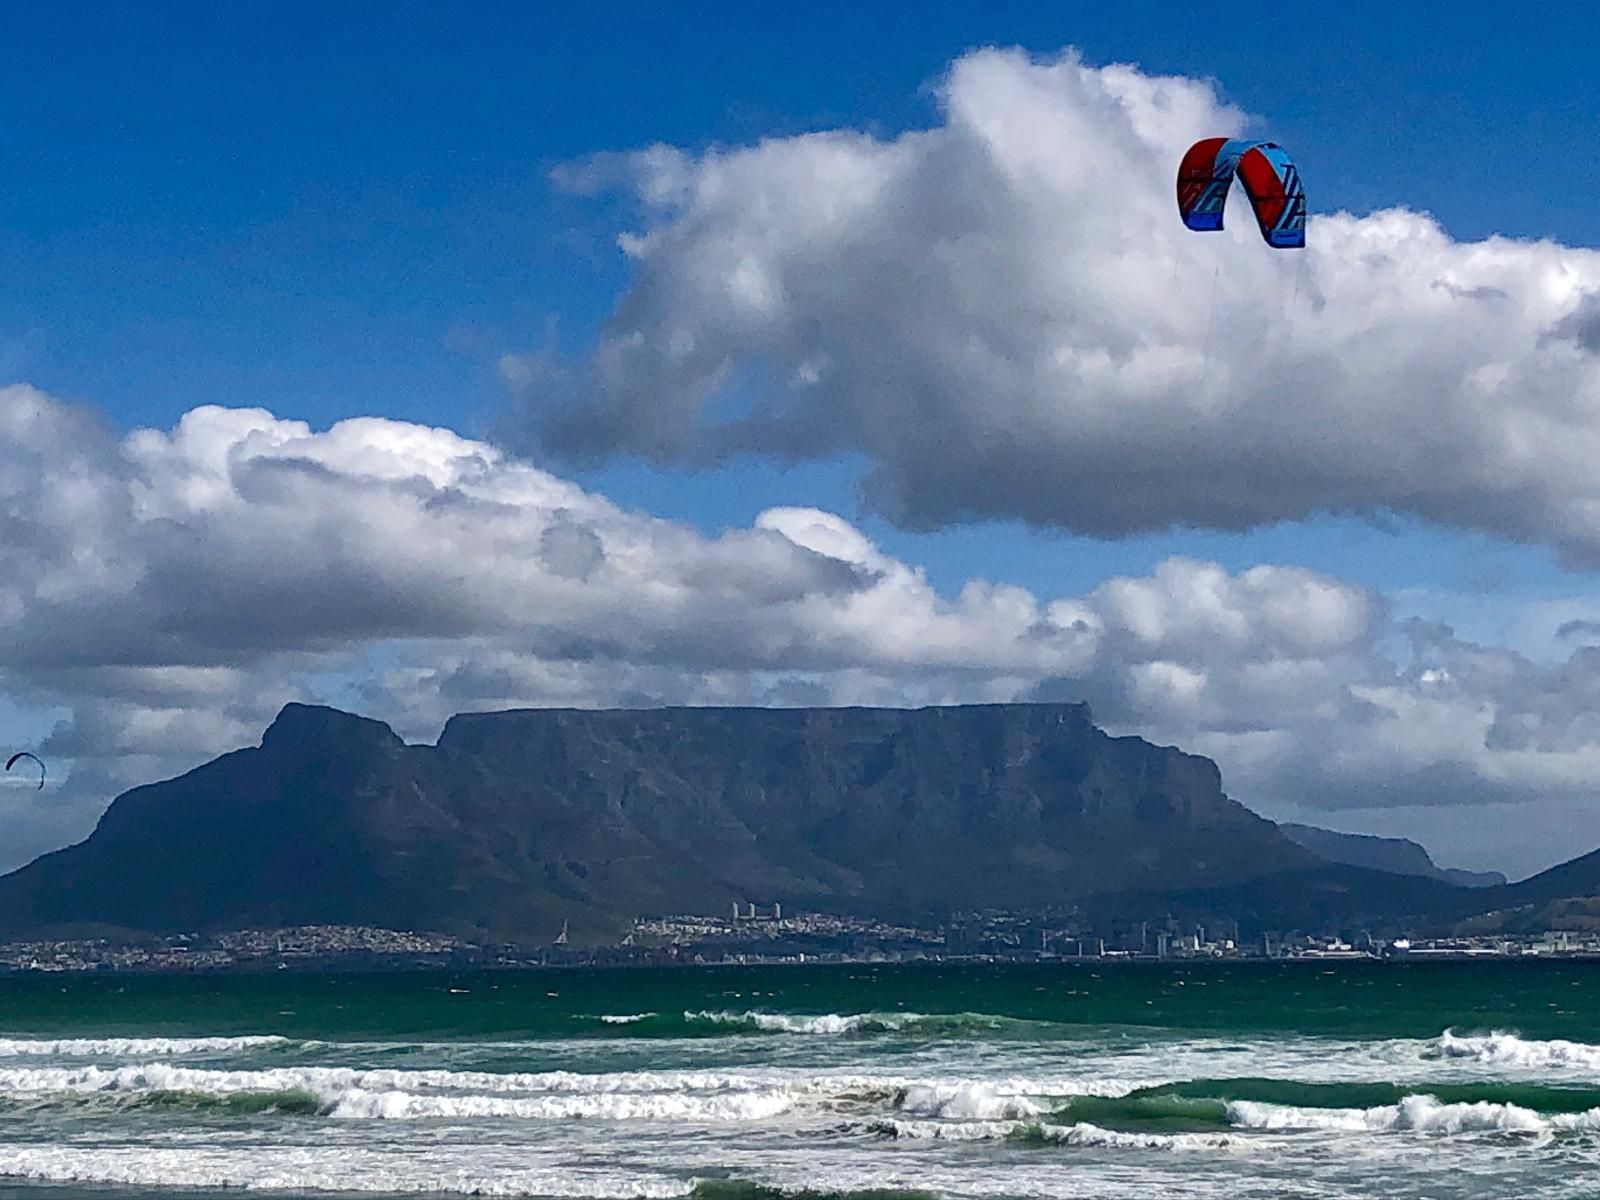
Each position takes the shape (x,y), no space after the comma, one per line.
(756,935)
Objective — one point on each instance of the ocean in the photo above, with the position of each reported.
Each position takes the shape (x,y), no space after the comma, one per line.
(1082,1080)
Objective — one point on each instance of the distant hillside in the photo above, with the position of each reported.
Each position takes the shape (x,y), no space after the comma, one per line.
(515,822)
(1579,914)
(1567,896)
(1399,856)
(1576,877)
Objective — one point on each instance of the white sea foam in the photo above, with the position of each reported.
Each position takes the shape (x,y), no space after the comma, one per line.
(135,1047)
(1510,1050)
(1080,1134)
(1085,1134)
(329,1170)
(625,1018)
(668,1106)
(949,1131)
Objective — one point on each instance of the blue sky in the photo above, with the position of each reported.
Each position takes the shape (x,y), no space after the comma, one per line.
(348,211)
(341,211)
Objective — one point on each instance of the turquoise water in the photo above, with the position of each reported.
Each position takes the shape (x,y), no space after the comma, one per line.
(1074,1080)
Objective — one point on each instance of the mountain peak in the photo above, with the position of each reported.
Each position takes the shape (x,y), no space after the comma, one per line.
(301,726)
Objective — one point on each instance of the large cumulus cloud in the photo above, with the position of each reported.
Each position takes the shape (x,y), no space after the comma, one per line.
(165,591)
(1004,316)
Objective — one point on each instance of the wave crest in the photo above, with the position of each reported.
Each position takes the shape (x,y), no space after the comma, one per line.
(135,1047)
(954,1025)
(1419,1113)
(1510,1050)
(966,1102)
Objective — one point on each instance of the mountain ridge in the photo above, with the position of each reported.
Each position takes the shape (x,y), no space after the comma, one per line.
(1398,856)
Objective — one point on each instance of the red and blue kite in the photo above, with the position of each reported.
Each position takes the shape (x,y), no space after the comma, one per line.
(1270,179)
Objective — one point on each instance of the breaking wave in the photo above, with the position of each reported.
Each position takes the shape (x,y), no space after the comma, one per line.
(949,1025)
(136,1047)
(966,1102)
(1510,1050)
(1216,1124)
(1202,1102)
(825,1023)
(702,1097)
(1419,1113)
(950,1108)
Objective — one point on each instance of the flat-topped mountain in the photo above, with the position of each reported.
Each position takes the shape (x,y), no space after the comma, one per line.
(517,821)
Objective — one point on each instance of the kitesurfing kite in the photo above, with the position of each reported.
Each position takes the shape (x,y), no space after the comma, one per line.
(22,754)
(1270,179)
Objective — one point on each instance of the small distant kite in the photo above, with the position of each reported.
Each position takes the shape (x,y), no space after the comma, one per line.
(1270,179)
(22,754)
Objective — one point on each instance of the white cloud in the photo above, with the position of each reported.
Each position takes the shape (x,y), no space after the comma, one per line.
(169,590)
(1005,316)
